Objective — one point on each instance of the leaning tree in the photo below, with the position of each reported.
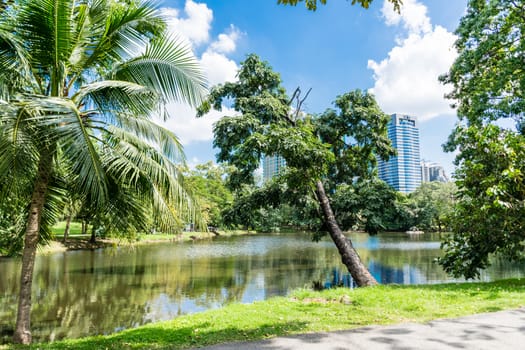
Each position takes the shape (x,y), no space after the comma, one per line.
(265,123)
(79,84)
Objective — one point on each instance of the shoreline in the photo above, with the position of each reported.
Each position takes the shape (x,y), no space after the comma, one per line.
(81,242)
(305,311)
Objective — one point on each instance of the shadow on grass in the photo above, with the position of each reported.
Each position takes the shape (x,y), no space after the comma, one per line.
(508,285)
(169,337)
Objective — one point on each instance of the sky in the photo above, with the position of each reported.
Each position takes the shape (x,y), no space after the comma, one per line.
(338,48)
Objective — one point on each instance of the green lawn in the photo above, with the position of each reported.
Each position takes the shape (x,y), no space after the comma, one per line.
(309,311)
(75,229)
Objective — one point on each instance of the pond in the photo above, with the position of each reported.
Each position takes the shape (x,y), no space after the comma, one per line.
(80,293)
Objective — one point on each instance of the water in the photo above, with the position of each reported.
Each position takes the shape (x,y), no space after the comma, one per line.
(82,293)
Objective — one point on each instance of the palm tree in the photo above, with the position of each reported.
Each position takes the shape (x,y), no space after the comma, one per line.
(79,84)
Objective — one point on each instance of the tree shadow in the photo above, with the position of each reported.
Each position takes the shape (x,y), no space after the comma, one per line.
(169,337)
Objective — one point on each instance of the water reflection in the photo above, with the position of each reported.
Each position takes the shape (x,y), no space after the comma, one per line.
(74,292)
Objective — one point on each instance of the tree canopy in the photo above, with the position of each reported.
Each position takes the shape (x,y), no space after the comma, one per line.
(488,81)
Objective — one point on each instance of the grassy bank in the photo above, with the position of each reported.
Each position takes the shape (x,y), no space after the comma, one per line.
(76,240)
(309,311)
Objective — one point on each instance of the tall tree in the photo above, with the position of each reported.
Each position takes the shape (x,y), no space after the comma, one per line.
(79,84)
(267,125)
(488,81)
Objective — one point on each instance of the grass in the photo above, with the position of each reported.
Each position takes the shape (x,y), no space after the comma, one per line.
(76,240)
(75,229)
(309,311)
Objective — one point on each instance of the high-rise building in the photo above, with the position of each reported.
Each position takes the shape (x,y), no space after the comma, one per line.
(402,172)
(433,172)
(272,166)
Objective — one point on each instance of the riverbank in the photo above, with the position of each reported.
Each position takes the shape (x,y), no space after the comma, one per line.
(306,311)
(77,241)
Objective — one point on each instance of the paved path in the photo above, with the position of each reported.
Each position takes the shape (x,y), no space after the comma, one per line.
(491,331)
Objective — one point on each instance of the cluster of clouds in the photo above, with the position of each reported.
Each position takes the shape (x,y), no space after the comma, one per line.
(407,80)
(193,25)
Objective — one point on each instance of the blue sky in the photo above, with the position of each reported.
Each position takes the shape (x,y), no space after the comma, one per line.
(336,49)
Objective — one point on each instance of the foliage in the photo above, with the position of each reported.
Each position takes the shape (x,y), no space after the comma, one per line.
(433,205)
(312,4)
(12,217)
(487,76)
(306,311)
(357,135)
(272,206)
(488,86)
(207,183)
(367,204)
(263,127)
(490,215)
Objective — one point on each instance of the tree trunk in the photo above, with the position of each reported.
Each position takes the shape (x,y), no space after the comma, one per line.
(66,230)
(84,227)
(349,255)
(23,318)
(93,238)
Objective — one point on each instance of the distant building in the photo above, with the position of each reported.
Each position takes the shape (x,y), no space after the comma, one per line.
(402,172)
(272,165)
(433,172)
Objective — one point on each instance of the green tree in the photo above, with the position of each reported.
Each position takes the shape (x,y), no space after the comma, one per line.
(208,185)
(356,132)
(265,125)
(490,216)
(434,204)
(79,84)
(367,204)
(488,86)
(312,4)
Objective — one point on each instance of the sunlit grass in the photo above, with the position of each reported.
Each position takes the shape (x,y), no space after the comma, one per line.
(76,240)
(309,311)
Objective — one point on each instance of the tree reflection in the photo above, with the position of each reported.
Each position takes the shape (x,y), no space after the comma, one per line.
(98,292)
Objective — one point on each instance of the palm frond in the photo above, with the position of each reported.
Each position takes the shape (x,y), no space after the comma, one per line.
(14,65)
(118,31)
(40,120)
(113,97)
(145,168)
(169,68)
(46,28)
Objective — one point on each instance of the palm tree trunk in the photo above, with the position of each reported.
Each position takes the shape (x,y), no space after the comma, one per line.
(23,318)
(68,225)
(84,227)
(93,238)
(349,255)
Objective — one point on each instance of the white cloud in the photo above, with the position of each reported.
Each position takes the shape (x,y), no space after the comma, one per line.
(190,128)
(195,27)
(218,68)
(226,42)
(413,15)
(407,80)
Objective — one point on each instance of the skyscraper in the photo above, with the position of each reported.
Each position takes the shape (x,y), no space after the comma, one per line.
(272,166)
(432,172)
(402,172)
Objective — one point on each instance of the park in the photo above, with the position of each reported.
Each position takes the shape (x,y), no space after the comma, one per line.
(110,238)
